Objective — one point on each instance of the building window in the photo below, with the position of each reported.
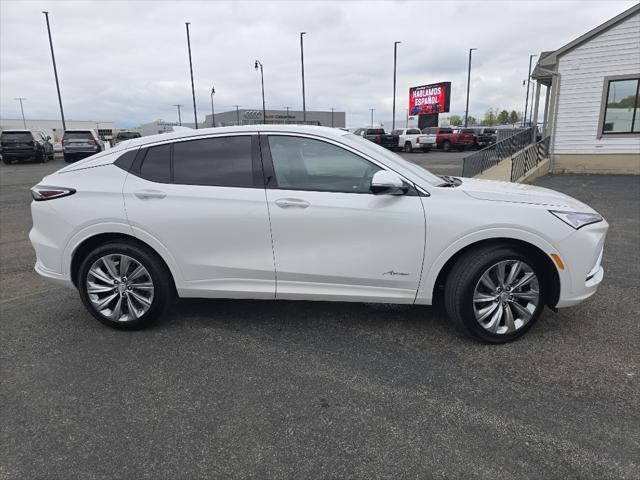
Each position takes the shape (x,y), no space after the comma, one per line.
(622,109)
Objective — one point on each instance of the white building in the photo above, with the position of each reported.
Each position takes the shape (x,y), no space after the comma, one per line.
(53,128)
(592,112)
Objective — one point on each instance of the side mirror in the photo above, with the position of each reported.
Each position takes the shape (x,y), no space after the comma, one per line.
(387,183)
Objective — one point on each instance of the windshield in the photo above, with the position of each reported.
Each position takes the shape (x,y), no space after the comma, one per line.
(392,159)
(128,135)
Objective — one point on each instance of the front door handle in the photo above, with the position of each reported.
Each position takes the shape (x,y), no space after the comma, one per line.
(292,203)
(149,194)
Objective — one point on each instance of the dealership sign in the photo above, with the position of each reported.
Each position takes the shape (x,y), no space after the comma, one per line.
(428,99)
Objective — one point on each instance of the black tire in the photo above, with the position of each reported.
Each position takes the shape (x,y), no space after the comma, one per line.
(462,281)
(163,286)
(446,146)
(68,159)
(426,149)
(6,160)
(43,157)
(408,148)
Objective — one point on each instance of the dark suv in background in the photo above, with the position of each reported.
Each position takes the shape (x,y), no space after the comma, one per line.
(379,136)
(125,135)
(79,144)
(20,145)
(483,137)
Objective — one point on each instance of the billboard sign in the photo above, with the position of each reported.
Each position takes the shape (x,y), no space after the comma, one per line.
(429,99)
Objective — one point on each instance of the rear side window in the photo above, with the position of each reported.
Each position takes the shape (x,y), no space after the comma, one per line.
(156,165)
(222,161)
(446,130)
(414,131)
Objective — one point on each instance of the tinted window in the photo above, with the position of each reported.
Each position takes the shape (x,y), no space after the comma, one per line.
(307,164)
(127,135)
(446,130)
(490,130)
(375,131)
(222,161)
(413,131)
(78,136)
(397,132)
(16,136)
(156,165)
(430,130)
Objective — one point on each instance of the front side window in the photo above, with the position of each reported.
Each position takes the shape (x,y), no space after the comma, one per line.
(308,164)
(220,161)
(622,113)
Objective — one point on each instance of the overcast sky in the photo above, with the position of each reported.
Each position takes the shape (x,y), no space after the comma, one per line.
(127,61)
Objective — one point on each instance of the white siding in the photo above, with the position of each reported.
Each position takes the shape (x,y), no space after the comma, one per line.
(582,71)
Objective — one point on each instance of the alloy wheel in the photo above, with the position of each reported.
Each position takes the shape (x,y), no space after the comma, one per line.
(119,287)
(506,297)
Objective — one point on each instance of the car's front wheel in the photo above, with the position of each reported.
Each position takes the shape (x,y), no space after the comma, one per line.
(494,294)
(124,286)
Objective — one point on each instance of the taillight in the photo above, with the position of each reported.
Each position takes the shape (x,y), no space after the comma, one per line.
(62,142)
(418,140)
(92,142)
(379,138)
(42,192)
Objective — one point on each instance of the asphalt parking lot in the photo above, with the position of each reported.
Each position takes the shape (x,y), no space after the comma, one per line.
(259,389)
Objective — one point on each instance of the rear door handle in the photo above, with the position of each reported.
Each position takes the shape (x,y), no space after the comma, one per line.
(149,194)
(292,203)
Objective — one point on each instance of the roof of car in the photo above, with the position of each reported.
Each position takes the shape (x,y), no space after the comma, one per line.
(162,137)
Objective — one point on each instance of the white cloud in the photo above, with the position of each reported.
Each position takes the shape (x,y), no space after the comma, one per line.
(127,61)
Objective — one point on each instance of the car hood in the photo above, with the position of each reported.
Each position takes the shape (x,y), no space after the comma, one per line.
(519,193)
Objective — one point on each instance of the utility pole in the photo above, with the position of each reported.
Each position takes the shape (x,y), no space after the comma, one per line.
(213,113)
(466,111)
(526,103)
(193,90)
(407,122)
(372,109)
(237,114)
(20,99)
(332,110)
(304,104)
(395,58)
(55,70)
(179,116)
(264,111)
(287,109)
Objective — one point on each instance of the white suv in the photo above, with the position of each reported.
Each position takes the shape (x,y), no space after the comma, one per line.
(309,213)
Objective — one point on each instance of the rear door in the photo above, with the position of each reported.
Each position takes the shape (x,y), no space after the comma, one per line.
(204,201)
(332,238)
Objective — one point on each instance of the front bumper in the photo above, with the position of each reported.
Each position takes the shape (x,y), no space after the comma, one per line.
(582,253)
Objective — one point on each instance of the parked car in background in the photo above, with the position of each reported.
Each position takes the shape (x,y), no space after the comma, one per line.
(379,136)
(448,139)
(20,145)
(57,147)
(126,135)
(484,136)
(412,139)
(307,213)
(79,144)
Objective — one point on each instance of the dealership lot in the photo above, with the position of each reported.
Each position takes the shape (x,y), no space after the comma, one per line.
(315,390)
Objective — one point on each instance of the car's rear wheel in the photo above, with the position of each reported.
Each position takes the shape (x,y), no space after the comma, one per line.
(124,286)
(6,160)
(494,294)
(446,146)
(426,149)
(408,147)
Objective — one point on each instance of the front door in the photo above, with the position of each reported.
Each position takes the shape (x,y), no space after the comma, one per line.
(333,239)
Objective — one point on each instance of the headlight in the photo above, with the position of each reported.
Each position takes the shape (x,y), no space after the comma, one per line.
(575,219)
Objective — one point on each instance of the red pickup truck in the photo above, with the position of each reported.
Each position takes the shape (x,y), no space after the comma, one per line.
(447,138)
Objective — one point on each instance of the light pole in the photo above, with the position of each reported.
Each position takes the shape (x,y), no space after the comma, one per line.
(193,90)
(213,112)
(55,70)
(332,110)
(264,113)
(395,57)
(526,103)
(237,114)
(287,109)
(407,122)
(179,116)
(304,104)
(20,99)
(466,111)
(372,109)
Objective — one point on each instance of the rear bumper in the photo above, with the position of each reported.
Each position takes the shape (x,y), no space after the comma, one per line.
(20,154)
(53,277)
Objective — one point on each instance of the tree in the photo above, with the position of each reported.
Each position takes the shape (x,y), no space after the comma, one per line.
(490,117)
(471,120)
(455,120)
(514,117)
(503,117)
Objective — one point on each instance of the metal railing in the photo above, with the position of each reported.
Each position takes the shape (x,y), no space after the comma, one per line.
(486,158)
(529,158)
